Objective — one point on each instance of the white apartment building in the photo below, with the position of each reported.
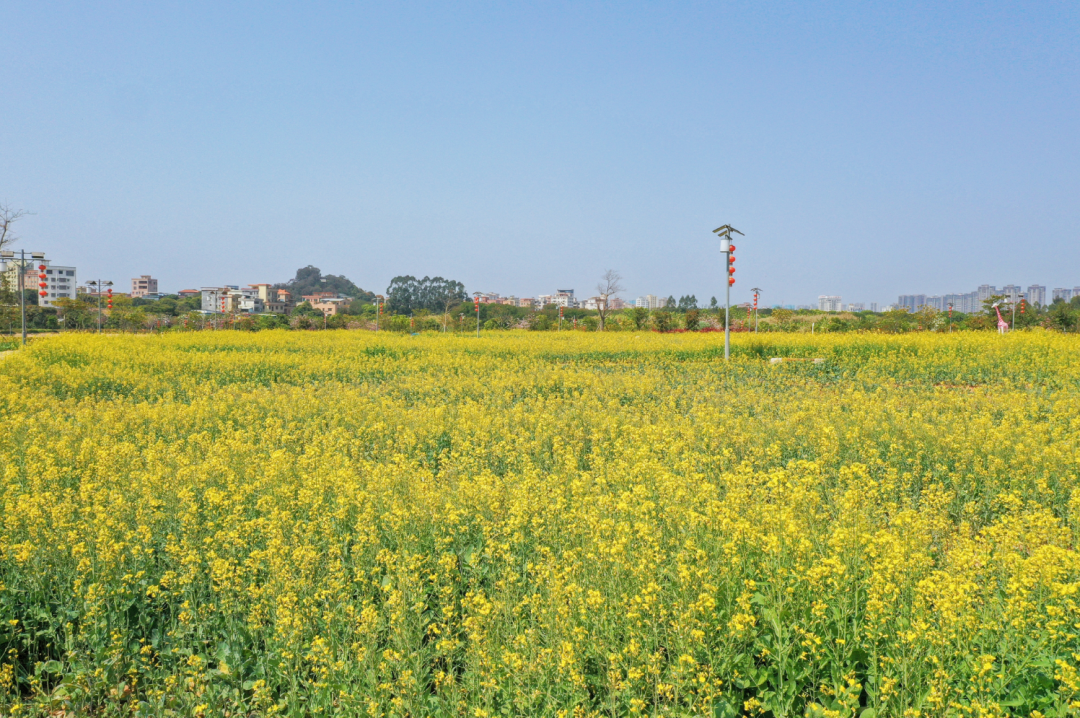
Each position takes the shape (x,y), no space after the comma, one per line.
(59,281)
(829,303)
(856,307)
(650,301)
(562,298)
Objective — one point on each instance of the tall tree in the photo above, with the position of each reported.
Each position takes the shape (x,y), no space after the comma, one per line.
(8,217)
(407,294)
(608,286)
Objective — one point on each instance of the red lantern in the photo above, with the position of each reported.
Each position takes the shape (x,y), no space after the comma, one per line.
(476,304)
(731,281)
(1022,305)
(560,311)
(731,270)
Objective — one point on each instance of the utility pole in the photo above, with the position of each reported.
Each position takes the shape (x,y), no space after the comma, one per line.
(724,233)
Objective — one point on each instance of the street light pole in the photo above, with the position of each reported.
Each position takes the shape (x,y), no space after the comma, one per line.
(99,285)
(477,303)
(22,291)
(724,233)
(756,292)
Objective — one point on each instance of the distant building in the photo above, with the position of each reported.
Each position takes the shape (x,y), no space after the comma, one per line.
(856,307)
(911,302)
(319,296)
(144,285)
(216,299)
(874,307)
(561,298)
(828,303)
(186,293)
(281,301)
(330,306)
(60,282)
(649,301)
(1062,294)
(527,302)
(1036,294)
(968,303)
(1012,292)
(985,291)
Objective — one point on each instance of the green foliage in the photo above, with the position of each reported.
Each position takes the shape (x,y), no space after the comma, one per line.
(309,280)
(663,321)
(638,316)
(407,294)
(538,322)
(692,320)
(687,302)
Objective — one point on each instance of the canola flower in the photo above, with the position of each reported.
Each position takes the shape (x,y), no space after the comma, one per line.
(532,524)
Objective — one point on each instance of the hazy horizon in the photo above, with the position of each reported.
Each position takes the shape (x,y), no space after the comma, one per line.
(866,151)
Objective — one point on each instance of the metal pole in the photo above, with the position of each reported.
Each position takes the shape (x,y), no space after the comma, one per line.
(477,318)
(727,304)
(22,292)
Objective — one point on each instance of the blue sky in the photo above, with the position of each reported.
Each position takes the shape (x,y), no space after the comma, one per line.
(866,149)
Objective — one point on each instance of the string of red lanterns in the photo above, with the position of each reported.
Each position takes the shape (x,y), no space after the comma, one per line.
(731,268)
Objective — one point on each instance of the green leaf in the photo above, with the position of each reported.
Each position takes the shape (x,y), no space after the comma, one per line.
(722,709)
(868,713)
(53,667)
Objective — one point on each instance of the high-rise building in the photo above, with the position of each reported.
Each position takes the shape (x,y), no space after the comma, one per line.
(1012,292)
(986,291)
(873,306)
(1062,294)
(911,302)
(966,303)
(856,307)
(830,303)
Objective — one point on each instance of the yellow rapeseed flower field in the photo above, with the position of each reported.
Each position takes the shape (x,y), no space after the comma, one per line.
(344,523)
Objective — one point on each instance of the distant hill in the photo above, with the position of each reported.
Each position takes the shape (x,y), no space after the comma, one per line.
(310,279)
